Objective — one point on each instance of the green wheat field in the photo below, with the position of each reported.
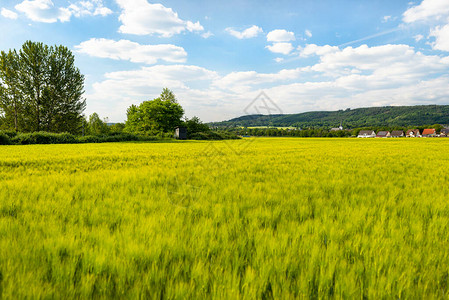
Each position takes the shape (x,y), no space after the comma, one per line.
(254,218)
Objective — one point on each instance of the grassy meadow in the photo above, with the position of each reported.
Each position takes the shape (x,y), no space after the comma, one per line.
(254,218)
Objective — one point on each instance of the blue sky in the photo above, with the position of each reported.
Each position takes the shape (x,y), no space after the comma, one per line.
(218,56)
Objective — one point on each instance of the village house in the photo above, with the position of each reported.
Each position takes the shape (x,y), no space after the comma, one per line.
(397,133)
(429,133)
(413,133)
(383,134)
(444,132)
(366,134)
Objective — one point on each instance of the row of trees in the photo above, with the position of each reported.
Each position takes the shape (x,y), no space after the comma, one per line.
(319,132)
(41,89)
(279,132)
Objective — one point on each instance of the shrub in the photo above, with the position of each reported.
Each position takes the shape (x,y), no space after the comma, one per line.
(122,137)
(4,139)
(44,138)
(9,133)
(214,135)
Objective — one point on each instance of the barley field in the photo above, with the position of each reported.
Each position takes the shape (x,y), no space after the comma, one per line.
(255,218)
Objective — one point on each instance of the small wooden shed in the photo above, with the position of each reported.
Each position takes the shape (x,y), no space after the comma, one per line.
(181,133)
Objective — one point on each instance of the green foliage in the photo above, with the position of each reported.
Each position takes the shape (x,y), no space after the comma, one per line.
(247,219)
(7,138)
(162,114)
(41,89)
(44,138)
(96,126)
(213,135)
(117,128)
(279,132)
(122,137)
(352,118)
(4,139)
(11,102)
(9,133)
(194,125)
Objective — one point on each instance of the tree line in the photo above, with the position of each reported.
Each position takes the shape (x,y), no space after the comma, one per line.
(320,132)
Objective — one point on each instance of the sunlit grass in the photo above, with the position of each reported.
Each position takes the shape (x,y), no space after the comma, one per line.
(260,218)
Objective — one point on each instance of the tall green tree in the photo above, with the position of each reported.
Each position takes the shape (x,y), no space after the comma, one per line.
(151,117)
(48,89)
(10,97)
(63,102)
(33,68)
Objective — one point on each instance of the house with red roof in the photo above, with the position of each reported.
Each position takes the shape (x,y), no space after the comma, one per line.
(431,132)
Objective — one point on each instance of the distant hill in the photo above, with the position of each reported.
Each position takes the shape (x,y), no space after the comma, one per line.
(350,118)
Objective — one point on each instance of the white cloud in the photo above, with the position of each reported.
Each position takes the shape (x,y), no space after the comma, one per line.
(280,35)
(8,14)
(312,49)
(45,10)
(143,18)
(428,9)
(418,37)
(308,33)
(248,33)
(282,48)
(279,59)
(441,35)
(134,52)
(207,35)
(246,81)
(390,64)
(89,8)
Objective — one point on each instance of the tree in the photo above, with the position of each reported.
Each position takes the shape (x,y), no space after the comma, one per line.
(33,76)
(117,128)
(151,117)
(41,89)
(96,126)
(10,98)
(63,95)
(195,125)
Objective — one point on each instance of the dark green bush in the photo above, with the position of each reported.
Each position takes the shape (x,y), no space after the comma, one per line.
(43,138)
(214,135)
(4,139)
(67,138)
(9,133)
(122,137)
